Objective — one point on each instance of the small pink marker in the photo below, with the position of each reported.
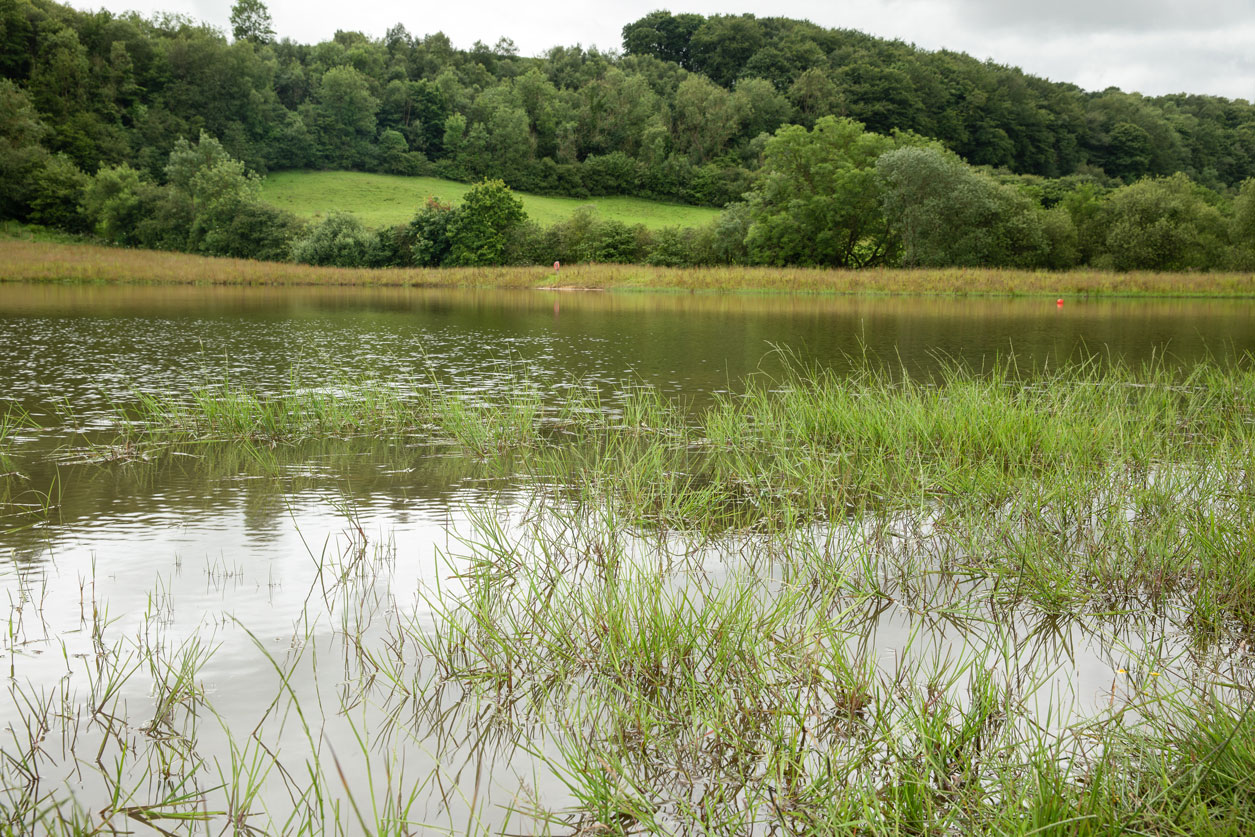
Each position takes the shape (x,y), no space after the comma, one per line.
(1059,303)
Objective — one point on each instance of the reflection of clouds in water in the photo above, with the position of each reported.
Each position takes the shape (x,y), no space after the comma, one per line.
(341,573)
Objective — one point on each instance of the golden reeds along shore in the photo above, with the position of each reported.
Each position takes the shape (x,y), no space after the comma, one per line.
(34,261)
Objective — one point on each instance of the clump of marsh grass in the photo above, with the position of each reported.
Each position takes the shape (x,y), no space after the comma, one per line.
(675,701)
(229,411)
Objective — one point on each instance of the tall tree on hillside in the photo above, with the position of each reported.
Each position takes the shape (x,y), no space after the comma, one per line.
(345,116)
(250,21)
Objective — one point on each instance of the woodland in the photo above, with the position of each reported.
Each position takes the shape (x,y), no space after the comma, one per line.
(823,147)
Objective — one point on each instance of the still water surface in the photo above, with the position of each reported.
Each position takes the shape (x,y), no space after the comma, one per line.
(200,544)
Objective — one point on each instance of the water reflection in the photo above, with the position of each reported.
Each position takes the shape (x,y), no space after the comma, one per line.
(321,572)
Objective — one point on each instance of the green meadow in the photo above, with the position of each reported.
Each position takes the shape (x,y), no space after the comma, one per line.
(385,199)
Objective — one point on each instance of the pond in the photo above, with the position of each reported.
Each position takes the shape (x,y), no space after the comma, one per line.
(391,631)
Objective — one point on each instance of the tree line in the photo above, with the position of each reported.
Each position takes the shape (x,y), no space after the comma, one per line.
(824,147)
(680,113)
(834,195)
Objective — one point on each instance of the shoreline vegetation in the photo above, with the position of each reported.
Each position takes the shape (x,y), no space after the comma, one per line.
(24,260)
(696,599)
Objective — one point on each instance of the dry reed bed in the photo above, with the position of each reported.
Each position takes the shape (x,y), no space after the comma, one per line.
(22,260)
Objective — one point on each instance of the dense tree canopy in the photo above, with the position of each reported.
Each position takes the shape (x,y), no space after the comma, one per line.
(825,146)
(688,105)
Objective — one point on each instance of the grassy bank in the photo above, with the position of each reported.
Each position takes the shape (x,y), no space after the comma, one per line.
(381,200)
(38,260)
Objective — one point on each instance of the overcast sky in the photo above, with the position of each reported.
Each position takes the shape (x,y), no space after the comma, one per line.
(1153,46)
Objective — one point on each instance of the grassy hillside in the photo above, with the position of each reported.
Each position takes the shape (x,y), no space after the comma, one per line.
(385,199)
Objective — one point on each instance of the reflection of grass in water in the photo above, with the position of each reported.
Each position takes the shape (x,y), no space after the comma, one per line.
(21,504)
(226,411)
(687,701)
(12,418)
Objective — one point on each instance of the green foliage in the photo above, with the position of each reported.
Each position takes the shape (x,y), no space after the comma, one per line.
(698,110)
(662,34)
(111,203)
(1242,230)
(250,21)
(478,231)
(703,118)
(57,193)
(344,116)
(339,241)
(587,237)
(428,234)
(819,200)
(250,230)
(1129,149)
(395,156)
(1163,224)
(21,154)
(950,214)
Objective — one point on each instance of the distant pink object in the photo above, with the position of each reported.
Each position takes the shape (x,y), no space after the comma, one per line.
(557,266)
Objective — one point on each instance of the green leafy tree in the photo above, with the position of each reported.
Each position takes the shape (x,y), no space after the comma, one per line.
(21,154)
(704,117)
(186,160)
(427,233)
(1129,152)
(252,230)
(478,232)
(394,153)
(544,108)
(474,157)
(723,45)
(59,83)
(948,214)
(818,201)
(112,204)
(765,109)
(345,116)
(339,240)
(250,21)
(664,35)
(1163,224)
(1242,229)
(56,194)
(453,139)
(614,111)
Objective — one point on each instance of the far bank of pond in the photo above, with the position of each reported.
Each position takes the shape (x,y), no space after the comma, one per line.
(30,261)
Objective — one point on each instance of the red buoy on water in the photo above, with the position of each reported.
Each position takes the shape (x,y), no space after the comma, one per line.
(1059,303)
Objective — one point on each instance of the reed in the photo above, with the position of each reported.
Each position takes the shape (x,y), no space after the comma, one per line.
(824,604)
(40,261)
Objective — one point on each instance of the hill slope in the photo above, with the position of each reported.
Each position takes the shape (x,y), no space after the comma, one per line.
(387,199)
